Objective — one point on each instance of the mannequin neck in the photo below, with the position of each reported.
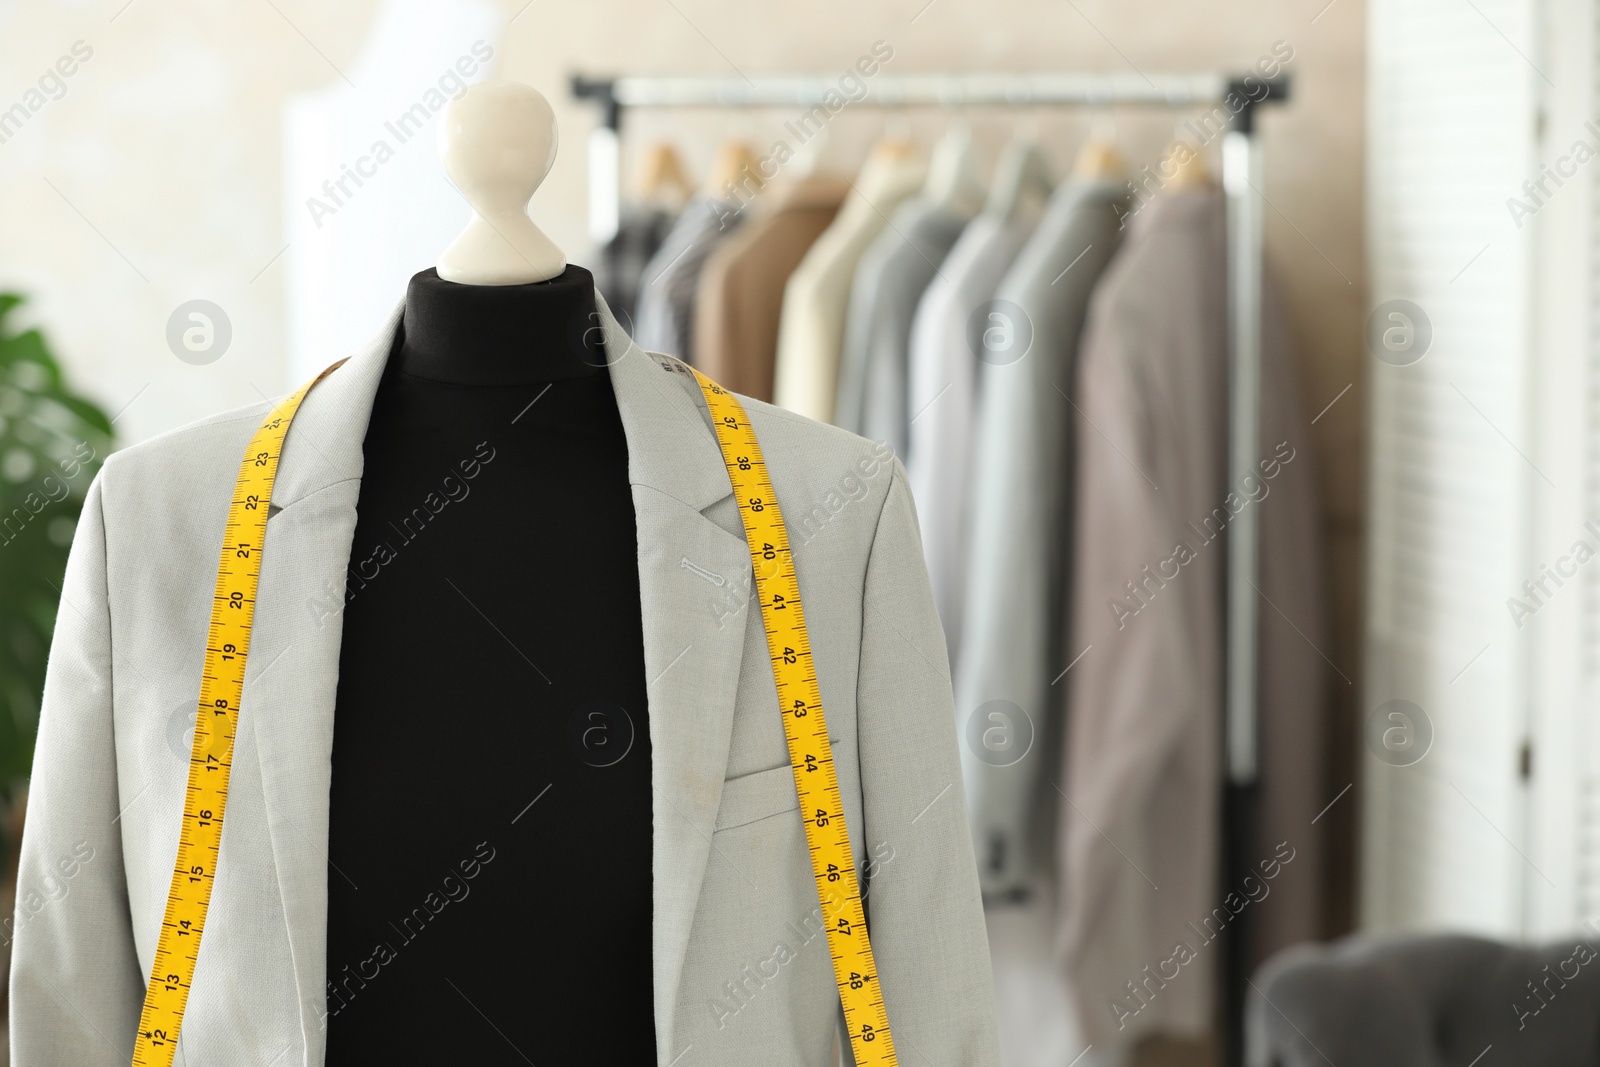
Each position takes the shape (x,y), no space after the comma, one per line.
(501,334)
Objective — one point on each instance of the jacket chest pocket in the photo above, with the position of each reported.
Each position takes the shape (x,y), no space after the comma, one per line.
(752,797)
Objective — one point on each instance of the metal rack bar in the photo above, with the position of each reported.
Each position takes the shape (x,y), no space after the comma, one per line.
(1242,177)
(915,89)
(1241,180)
(615,95)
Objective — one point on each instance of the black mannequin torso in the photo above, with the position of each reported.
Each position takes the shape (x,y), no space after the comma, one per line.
(490,828)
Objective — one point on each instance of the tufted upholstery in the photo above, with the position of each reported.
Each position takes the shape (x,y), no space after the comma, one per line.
(1437,1001)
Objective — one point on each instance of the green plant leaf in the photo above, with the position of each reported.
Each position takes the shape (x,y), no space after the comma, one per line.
(46,430)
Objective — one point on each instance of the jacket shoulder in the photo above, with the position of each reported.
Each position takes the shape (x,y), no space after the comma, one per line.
(831,483)
(164,485)
(219,438)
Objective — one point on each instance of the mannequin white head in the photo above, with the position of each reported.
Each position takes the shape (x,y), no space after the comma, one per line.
(497,141)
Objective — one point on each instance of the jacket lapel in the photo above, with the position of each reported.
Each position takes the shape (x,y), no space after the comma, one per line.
(291,681)
(694,580)
(694,589)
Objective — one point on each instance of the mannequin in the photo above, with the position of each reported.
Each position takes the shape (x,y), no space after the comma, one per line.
(454,827)
(490,812)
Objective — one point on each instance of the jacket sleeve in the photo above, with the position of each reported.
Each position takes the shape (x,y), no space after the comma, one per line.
(76,986)
(923,907)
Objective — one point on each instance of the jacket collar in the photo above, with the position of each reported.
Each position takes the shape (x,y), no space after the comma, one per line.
(694,578)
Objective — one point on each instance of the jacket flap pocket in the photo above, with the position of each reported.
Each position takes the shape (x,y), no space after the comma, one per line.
(756,796)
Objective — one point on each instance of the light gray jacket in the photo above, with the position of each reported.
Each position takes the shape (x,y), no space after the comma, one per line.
(874,363)
(1012,656)
(742,974)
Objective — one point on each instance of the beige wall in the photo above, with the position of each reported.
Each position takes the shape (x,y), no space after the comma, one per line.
(156,177)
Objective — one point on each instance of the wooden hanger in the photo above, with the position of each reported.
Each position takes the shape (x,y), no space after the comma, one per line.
(896,144)
(1099,159)
(892,150)
(1188,163)
(735,167)
(662,178)
(892,162)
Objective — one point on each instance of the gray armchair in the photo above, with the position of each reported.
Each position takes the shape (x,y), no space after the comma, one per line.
(1441,1001)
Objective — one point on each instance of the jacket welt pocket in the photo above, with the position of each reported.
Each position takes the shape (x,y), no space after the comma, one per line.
(751,797)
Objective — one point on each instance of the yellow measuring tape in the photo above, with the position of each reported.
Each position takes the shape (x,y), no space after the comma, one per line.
(810,754)
(222,685)
(216,721)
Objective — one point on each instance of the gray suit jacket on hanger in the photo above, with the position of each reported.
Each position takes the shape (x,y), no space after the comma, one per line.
(1011,651)
(742,973)
(874,367)
(670,281)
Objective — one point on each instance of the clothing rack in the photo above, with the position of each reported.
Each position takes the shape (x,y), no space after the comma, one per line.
(1241,181)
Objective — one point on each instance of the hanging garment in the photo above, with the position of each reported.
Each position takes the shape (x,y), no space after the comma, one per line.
(1142,772)
(741,969)
(1032,1003)
(893,274)
(954,313)
(1007,692)
(623,258)
(741,286)
(665,319)
(811,329)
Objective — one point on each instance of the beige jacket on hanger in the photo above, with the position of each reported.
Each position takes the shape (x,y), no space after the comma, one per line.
(816,298)
(1138,813)
(741,969)
(740,300)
